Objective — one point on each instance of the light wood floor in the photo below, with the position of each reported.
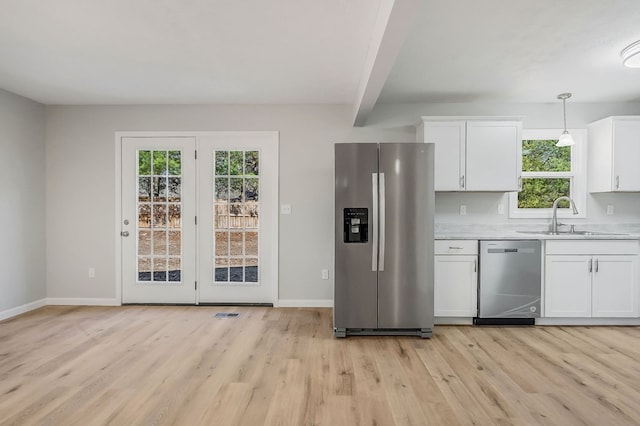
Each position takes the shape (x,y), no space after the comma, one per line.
(139,365)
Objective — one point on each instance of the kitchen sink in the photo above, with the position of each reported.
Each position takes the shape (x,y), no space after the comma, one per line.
(569,233)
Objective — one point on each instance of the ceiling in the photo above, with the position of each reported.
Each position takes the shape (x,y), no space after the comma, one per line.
(358,52)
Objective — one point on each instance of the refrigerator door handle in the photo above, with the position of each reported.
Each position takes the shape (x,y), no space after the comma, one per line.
(374,222)
(382,222)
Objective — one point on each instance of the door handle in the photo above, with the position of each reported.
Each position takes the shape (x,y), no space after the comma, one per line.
(374,220)
(383,210)
(124,233)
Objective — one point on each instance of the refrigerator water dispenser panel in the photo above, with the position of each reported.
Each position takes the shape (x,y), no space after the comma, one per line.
(356,225)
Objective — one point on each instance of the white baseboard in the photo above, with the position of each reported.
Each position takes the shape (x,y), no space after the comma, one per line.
(453,321)
(22,309)
(306,303)
(588,321)
(78,301)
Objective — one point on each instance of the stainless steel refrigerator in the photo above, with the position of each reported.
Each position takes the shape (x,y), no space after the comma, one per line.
(384,250)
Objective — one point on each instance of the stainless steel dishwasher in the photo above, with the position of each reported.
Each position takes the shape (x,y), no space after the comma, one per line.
(510,282)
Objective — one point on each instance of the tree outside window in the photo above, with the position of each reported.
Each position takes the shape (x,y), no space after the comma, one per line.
(549,172)
(546,174)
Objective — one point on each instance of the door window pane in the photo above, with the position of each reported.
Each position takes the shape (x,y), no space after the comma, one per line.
(236,207)
(175,163)
(159,221)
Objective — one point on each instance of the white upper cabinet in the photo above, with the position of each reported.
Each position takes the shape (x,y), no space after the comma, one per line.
(474,155)
(614,152)
(450,139)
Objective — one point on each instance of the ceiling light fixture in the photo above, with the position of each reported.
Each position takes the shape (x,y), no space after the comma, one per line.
(565,138)
(631,55)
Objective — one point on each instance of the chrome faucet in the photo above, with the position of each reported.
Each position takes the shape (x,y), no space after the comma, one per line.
(554,217)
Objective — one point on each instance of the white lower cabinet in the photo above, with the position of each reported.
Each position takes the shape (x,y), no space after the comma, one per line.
(456,278)
(599,280)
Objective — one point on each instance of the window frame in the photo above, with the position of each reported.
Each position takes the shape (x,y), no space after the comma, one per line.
(578,175)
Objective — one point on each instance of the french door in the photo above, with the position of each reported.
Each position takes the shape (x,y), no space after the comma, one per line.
(199,221)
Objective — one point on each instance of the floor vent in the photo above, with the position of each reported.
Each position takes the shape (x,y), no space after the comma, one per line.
(226,315)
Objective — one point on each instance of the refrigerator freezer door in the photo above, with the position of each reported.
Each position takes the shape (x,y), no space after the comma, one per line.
(405,286)
(355,289)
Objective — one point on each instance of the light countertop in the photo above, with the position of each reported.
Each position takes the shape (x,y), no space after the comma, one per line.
(529,232)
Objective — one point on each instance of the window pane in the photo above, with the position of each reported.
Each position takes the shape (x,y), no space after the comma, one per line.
(236,163)
(222,163)
(175,163)
(144,189)
(159,269)
(539,193)
(222,189)
(159,189)
(545,156)
(144,163)
(144,242)
(236,270)
(174,189)
(144,216)
(235,190)
(144,269)
(251,189)
(174,269)
(251,163)
(159,243)
(221,269)
(174,216)
(175,243)
(159,162)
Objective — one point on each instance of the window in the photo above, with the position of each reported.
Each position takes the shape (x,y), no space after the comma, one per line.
(549,172)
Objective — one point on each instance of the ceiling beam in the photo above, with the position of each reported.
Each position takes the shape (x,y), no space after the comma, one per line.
(392,26)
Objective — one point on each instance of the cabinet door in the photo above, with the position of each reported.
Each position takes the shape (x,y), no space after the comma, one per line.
(493,155)
(449,138)
(567,286)
(626,152)
(456,286)
(615,286)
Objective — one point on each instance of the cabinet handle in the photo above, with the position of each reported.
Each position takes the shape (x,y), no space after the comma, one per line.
(475,265)
(617,182)
(462,182)
(519,183)
(590,265)
(596,265)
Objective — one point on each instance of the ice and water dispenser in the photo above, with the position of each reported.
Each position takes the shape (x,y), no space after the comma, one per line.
(356,225)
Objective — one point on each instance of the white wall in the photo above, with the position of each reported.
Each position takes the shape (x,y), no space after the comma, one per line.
(482,207)
(22,212)
(80,179)
(80,186)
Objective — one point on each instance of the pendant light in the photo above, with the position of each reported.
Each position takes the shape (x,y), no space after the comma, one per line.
(565,138)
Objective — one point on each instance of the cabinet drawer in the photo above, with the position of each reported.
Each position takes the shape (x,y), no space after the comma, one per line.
(593,247)
(456,247)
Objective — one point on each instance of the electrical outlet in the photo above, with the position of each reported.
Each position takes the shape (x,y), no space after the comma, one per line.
(92,272)
(325,274)
(285,209)
(609,209)
(500,208)
(463,209)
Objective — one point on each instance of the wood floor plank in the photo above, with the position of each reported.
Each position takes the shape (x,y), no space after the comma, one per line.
(180,365)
